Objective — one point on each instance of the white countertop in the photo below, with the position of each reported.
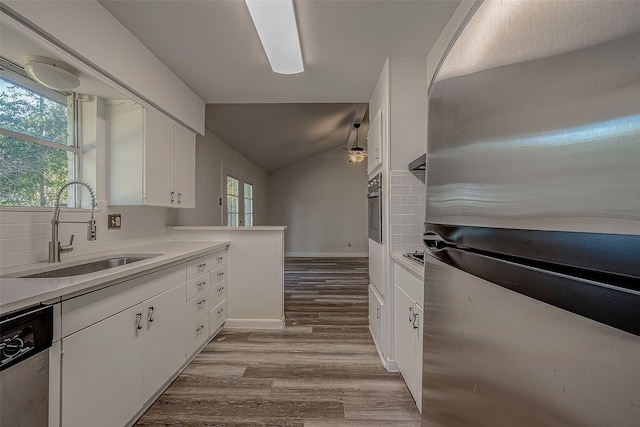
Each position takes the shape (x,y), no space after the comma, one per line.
(223,228)
(411,266)
(17,293)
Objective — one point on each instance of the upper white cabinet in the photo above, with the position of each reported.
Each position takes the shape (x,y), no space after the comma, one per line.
(374,143)
(151,160)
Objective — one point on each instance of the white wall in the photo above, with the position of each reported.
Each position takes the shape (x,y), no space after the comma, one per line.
(211,154)
(407,110)
(322,200)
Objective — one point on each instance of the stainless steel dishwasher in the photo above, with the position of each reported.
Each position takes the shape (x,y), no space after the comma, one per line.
(25,339)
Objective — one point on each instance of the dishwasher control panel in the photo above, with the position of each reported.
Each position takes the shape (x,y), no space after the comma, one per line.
(25,333)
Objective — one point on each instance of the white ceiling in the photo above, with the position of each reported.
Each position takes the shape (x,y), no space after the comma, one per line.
(214,48)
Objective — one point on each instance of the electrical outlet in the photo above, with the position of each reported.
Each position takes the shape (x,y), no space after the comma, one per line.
(114,221)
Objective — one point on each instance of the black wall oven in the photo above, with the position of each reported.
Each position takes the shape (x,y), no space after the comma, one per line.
(374,197)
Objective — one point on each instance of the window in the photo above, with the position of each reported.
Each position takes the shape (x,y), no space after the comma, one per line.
(248,204)
(238,197)
(38,148)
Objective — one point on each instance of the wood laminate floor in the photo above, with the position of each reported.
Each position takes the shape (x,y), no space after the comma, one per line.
(322,369)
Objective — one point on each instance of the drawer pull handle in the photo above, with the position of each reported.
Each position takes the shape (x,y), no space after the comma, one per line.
(138,320)
(201,285)
(411,315)
(202,266)
(221,274)
(220,259)
(220,289)
(415,322)
(199,329)
(151,314)
(201,302)
(220,311)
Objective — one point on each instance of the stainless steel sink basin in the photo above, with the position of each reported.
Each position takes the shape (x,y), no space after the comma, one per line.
(90,267)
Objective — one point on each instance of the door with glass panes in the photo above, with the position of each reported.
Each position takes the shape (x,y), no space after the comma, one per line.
(238,206)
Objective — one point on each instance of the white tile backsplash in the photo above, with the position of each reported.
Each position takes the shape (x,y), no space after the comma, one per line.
(407,199)
(25,233)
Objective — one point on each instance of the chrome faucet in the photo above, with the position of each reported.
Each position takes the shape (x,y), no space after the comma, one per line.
(55,248)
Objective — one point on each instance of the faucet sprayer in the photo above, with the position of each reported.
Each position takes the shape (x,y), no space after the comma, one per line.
(55,248)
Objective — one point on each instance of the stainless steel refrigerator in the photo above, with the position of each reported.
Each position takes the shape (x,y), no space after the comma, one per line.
(532,233)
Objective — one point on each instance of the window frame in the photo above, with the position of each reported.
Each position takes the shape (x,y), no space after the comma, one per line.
(15,74)
(229,171)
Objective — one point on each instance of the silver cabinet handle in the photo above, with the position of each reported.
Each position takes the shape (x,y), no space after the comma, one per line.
(377,312)
(173,199)
(220,259)
(150,314)
(179,198)
(220,289)
(138,320)
(201,302)
(201,285)
(221,274)
(220,311)
(201,267)
(415,323)
(411,315)
(199,329)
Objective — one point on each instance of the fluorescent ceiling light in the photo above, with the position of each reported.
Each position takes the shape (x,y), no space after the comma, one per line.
(275,21)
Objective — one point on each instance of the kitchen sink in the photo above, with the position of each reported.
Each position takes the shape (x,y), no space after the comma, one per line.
(90,267)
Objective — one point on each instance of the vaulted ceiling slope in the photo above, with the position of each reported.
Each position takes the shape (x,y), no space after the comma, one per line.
(276,135)
(213,47)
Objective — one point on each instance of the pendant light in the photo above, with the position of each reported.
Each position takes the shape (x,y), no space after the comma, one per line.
(356,153)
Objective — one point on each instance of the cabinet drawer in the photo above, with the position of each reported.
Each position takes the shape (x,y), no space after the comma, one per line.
(197,334)
(218,275)
(199,266)
(409,283)
(219,258)
(218,293)
(218,315)
(197,285)
(198,306)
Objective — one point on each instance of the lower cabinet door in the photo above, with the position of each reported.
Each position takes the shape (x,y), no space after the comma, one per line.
(163,338)
(418,357)
(404,336)
(102,366)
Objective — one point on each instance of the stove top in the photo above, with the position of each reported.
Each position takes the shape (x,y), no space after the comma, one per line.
(417,257)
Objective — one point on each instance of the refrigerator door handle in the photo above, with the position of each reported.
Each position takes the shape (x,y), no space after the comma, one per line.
(434,242)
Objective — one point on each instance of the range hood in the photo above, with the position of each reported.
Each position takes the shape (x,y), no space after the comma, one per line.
(418,165)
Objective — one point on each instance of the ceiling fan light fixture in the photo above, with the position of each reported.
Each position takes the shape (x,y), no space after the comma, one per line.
(52,73)
(356,153)
(275,22)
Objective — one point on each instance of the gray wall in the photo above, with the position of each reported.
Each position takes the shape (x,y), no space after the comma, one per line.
(211,153)
(322,200)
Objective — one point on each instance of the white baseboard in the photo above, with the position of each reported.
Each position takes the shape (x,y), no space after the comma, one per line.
(254,323)
(327,254)
(392,366)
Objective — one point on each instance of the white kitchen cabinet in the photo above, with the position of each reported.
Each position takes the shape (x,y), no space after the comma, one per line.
(206,299)
(151,160)
(374,143)
(375,319)
(163,339)
(120,345)
(407,328)
(101,372)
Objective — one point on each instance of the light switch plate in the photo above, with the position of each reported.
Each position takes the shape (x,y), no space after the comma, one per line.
(114,221)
